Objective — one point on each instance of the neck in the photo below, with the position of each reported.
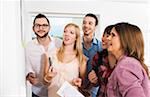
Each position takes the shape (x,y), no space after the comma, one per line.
(87,41)
(44,41)
(69,49)
(119,56)
(88,38)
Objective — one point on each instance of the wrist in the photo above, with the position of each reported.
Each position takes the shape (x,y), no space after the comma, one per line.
(46,79)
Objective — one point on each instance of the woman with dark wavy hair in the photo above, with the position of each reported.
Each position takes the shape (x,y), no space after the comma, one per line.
(102,63)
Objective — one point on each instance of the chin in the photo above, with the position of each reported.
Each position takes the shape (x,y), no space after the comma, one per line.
(109,49)
(104,47)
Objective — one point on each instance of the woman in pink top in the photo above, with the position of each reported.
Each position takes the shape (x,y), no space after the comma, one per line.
(130,76)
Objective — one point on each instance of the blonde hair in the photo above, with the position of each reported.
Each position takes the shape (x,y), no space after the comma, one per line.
(77,46)
(132,41)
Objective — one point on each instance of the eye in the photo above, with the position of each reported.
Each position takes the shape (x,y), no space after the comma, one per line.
(64,31)
(90,23)
(107,35)
(84,22)
(71,32)
(37,25)
(113,34)
(44,25)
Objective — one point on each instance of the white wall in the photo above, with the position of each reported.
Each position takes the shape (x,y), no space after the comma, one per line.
(110,11)
(12,78)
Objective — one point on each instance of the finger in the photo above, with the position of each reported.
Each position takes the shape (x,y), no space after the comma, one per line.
(92,76)
(51,69)
(92,73)
(32,75)
(94,80)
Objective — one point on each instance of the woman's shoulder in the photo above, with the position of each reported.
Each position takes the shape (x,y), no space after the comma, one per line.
(129,62)
(130,66)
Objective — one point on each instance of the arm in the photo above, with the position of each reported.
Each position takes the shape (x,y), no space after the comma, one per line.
(28,62)
(82,68)
(30,74)
(92,76)
(49,72)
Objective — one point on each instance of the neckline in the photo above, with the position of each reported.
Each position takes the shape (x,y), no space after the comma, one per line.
(69,61)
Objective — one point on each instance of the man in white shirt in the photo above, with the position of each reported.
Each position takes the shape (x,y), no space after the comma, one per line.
(34,50)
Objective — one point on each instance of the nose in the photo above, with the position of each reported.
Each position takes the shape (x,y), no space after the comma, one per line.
(109,38)
(66,33)
(85,25)
(41,27)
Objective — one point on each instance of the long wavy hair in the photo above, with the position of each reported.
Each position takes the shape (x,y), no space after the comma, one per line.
(132,41)
(77,46)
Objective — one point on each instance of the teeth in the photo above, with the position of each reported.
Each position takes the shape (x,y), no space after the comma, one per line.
(66,38)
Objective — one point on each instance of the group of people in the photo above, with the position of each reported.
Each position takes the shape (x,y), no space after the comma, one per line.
(113,67)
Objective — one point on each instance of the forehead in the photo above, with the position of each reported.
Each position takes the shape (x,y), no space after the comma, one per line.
(70,27)
(113,30)
(41,21)
(89,19)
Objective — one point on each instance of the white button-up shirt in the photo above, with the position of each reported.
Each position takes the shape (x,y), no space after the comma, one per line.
(33,52)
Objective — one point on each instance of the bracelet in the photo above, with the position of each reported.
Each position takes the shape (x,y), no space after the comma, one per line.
(46,80)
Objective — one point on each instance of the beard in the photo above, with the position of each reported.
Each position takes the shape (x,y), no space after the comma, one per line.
(41,36)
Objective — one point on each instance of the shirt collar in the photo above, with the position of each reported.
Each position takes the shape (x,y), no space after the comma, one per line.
(36,41)
(93,42)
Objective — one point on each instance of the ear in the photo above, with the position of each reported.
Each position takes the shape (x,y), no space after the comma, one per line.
(49,27)
(33,28)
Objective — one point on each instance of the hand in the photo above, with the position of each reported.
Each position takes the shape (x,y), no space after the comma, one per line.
(50,74)
(31,77)
(77,82)
(92,77)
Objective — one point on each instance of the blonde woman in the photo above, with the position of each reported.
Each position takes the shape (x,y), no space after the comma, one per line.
(68,62)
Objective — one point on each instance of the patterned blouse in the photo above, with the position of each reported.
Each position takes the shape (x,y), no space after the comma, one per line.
(101,66)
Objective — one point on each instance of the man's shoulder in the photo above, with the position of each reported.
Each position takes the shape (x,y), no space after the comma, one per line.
(98,43)
(30,43)
(57,41)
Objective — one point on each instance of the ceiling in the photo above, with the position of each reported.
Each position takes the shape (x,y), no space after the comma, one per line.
(130,1)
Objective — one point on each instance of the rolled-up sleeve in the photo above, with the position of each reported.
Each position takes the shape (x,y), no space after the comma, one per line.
(28,63)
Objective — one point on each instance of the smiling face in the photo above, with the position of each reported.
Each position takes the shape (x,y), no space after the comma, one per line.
(41,27)
(88,25)
(114,44)
(69,36)
(106,34)
(105,41)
